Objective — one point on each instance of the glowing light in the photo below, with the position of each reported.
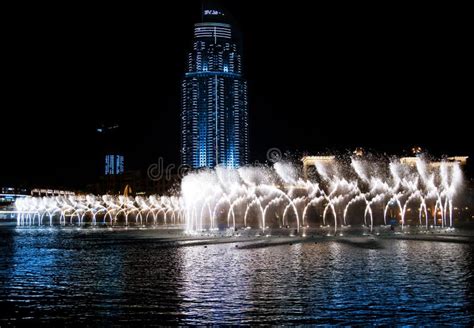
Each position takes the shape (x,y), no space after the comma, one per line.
(212,12)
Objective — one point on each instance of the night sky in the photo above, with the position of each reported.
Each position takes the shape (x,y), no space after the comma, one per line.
(320,78)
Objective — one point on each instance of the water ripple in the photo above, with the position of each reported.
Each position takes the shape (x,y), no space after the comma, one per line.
(56,276)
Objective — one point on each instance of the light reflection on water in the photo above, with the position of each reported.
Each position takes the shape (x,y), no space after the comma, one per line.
(73,276)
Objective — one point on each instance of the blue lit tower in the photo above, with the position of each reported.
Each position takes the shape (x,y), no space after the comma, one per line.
(114,160)
(214,117)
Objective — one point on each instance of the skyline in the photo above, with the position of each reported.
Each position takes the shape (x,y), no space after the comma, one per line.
(90,72)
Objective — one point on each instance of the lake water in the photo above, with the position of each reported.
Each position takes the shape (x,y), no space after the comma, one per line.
(101,277)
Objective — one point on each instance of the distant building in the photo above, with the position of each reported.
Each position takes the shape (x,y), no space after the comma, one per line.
(8,195)
(311,161)
(112,160)
(110,143)
(214,117)
(411,161)
(37,192)
(114,164)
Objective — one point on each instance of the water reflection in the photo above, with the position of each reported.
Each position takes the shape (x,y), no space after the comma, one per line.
(74,276)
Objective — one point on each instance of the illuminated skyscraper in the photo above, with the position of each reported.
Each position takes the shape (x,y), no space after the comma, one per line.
(114,164)
(110,140)
(214,118)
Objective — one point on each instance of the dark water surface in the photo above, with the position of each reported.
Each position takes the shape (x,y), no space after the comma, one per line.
(101,277)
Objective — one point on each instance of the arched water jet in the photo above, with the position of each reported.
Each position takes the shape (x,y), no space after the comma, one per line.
(393,200)
(352,201)
(423,210)
(231,210)
(368,210)
(255,202)
(445,211)
(274,201)
(207,205)
(223,199)
(313,202)
(438,206)
(405,206)
(278,191)
(450,203)
(293,207)
(330,205)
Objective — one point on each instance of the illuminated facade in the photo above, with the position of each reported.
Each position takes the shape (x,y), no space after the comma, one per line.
(309,161)
(114,164)
(449,161)
(214,117)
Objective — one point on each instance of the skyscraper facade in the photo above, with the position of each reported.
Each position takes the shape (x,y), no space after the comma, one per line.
(114,164)
(214,117)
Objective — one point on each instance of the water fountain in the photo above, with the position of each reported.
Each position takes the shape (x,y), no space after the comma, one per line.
(340,193)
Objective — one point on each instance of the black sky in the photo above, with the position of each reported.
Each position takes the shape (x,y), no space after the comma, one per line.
(320,78)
